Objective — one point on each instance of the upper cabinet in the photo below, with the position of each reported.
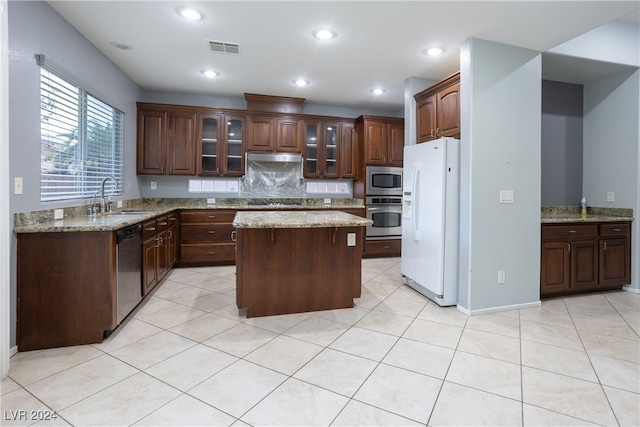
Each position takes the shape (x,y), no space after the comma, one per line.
(381,140)
(438,110)
(166,141)
(330,149)
(273,134)
(221,144)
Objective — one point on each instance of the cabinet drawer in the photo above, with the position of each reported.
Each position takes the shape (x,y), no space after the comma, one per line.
(207,253)
(149,229)
(162,223)
(569,231)
(390,247)
(194,233)
(616,229)
(208,216)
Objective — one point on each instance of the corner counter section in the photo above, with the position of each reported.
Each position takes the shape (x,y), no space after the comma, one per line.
(293,262)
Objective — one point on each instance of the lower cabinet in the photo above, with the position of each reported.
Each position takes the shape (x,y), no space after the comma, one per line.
(159,249)
(382,248)
(581,257)
(207,237)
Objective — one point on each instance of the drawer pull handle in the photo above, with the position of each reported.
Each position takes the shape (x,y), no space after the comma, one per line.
(172,219)
(212,216)
(617,230)
(163,223)
(572,231)
(386,246)
(211,252)
(151,229)
(212,231)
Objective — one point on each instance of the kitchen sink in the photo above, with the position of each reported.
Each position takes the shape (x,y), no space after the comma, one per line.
(129,213)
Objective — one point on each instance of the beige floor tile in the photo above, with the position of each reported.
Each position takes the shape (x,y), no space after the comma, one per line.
(358,414)
(614,347)
(296,403)
(153,304)
(81,381)
(564,361)
(569,396)
(8,385)
(551,334)
(203,327)
(368,300)
(536,417)
(171,316)
(501,325)
(284,354)
(184,295)
(278,324)
(240,340)
(486,374)
(130,331)
(151,350)
(490,345)
(617,373)
(401,392)
(190,367)
(123,403)
(388,323)
(626,406)
(167,287)
(30,366)
(337,371)
(463,406)
(550,313)
(186,411)
(447,315)
(237,388)
(317,330)
(420,357)
(382,289)
(212,301)
(348,316)
(20,408)
(613,326)
(217,284)
(434,333)
(405,292)
(365,343)
(401,306)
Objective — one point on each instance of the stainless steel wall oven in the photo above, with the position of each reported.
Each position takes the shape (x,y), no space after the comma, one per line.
(386,214)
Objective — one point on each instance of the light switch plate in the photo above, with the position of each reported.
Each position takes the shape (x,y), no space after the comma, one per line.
(351,239)
(506,196)
(611,197)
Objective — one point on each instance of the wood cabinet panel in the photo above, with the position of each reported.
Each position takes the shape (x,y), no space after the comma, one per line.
(207,237)
(555,267)
(288,136)
(381,140)
(207,254)
(261,134)
(207,216)
(382,248)
(151,146)
(438,110)
(448,108)
(349,151)
(181,143)
(207,232)
(426,119)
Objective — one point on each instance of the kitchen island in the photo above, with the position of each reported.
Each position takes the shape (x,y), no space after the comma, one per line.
(293,262)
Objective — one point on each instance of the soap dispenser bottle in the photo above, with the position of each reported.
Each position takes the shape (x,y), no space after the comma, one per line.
(583,206)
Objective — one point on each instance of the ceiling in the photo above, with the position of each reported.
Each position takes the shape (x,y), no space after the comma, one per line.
(379,43)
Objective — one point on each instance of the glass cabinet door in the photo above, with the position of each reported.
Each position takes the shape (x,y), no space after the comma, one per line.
(235,137)
(330,145)
(210,144)
(311,142)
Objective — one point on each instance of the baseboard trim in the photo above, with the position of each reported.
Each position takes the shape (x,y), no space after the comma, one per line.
(631,289)
(499,309)
(13,351)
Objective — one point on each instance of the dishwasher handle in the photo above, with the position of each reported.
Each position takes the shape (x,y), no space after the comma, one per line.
(128,233)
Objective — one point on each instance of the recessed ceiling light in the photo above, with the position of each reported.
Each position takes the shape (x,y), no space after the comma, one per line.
(210,73)
(325,34)
(190,13)
(434,51)
(301,82)
(378,91)
(121,45)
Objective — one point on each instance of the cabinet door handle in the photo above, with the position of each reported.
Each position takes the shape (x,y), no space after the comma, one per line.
(233,235)
(568,247)
(604,246)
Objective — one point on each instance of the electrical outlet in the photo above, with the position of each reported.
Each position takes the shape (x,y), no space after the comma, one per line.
(119,204)
(351,239)
(211,201)
(154,185)
(502,277)
(506,196)
(17,185)
(327,201)
(58,214)
(611,197)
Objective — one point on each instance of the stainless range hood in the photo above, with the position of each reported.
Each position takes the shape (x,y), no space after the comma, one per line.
(274,157)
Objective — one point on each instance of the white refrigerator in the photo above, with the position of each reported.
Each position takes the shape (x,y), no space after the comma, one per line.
(430,219)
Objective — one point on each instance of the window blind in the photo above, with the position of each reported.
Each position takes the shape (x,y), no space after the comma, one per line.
(82,140)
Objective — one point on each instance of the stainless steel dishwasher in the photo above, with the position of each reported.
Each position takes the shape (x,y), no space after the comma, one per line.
(129,269)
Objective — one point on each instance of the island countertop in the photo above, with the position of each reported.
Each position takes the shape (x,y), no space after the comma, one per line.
(298,219)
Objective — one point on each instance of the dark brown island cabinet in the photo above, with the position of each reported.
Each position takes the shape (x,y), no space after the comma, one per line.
(584,257)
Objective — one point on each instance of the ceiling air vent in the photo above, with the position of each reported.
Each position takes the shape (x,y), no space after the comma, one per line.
(224,47)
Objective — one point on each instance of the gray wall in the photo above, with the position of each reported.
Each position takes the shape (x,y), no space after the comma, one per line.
(501,127)
(35,28)
(561,143)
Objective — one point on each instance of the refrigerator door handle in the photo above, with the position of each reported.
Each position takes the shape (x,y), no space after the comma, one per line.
(415,202)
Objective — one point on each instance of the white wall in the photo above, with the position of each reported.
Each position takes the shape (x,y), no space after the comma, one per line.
(501,134)
(5,228)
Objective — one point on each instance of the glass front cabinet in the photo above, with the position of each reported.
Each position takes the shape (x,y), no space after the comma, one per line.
(321,151)
(221,148)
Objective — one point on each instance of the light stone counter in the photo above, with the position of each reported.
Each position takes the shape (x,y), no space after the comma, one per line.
(568,214)
(298,219)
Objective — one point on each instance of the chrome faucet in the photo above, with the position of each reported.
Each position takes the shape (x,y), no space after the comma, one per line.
(104,206)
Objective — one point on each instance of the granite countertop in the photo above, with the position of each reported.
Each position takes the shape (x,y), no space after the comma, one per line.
(569,214)
(76,218)
(302,219)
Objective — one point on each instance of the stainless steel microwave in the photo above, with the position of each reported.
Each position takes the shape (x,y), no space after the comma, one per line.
(384,180)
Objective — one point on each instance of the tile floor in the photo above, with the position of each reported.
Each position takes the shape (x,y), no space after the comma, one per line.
(186,357)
